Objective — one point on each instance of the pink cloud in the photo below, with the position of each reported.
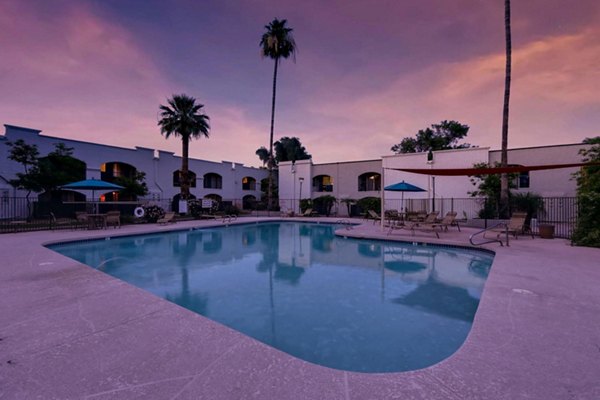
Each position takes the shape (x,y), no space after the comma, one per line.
(554,79)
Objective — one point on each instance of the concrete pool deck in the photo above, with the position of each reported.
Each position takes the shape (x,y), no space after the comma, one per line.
(68,331)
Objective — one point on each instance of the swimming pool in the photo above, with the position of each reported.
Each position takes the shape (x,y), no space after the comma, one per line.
(349,304)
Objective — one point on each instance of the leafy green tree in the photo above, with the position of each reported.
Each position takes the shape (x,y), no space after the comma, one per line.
(133,187)
(290,149)
(185,118)
(324,204)
(58,168)
(587,230)
(44,174)
(276,43)
(442,136)
(26,155)
(504,179)
(286,149)
(263,155)
(488,186)
(305,204)
(531,203)
(369,203)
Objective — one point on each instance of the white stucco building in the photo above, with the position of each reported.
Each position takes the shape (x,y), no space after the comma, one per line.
(358,179)
(226,180)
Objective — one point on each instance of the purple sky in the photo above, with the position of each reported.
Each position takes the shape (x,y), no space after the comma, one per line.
(367,74)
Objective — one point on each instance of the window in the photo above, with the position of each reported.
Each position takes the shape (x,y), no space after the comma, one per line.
(213,181)
(323,183)
(248,183)
(523,180)
(177,178)
(111,170)
(369,181)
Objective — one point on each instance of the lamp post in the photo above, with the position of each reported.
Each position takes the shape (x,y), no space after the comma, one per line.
(430,161)
(293,205)
(301,179)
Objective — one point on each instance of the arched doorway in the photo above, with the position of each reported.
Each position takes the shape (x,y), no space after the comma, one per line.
(119,173)
(249,202)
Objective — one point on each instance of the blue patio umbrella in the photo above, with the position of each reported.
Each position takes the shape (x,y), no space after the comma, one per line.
(403,187)
(93,185)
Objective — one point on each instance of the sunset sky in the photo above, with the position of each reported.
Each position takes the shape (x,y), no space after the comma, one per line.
(367,73)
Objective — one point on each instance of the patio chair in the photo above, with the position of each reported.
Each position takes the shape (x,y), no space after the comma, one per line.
(308,213)
(285,212)
(448,220)
(419,225)
(169,218)
(113,218)
(376,217)
(514,226)
(82,220)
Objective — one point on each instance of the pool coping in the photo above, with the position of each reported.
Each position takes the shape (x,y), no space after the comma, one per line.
(68,331)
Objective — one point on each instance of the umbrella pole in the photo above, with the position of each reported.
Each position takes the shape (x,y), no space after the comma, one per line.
(382,199)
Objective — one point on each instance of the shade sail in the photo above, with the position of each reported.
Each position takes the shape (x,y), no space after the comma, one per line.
(488,171)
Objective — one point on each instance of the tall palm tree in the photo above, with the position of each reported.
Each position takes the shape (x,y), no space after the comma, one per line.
(276,43)
(184,118)
(504,151)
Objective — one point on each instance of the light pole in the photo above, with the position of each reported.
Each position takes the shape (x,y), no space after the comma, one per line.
(301,179)
(293,205)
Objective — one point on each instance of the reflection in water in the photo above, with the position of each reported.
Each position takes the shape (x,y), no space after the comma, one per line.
(369,249)
(444,300)
(289,274)
(214,243)
(350,304)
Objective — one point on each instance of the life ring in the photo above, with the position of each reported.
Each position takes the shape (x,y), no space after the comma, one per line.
(139,212)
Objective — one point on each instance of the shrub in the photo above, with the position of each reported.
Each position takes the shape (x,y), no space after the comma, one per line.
(587,230)
(153,213)
(324,204)
(195,208)
(369,203)
(231,209)
(305,204)
(531,203)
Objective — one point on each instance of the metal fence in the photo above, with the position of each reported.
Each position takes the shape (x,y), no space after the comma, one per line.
(20,213)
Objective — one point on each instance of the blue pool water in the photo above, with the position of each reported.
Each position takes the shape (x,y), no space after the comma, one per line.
(356,305)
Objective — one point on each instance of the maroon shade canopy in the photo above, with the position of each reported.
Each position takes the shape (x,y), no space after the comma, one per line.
(490,171)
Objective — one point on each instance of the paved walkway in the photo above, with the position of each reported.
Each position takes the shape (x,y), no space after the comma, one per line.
(70,332)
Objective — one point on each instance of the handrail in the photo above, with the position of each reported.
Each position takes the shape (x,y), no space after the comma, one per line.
(347,224)
(491,240)
(226,219)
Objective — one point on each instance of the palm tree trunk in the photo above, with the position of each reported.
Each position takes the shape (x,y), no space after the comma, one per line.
(504,153)
(185,183)
(271,161)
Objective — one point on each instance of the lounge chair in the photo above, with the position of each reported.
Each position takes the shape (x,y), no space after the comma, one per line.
(285,212)
(376,217)
(113,218)
(308,213)
(429,220)
(169,218)
(448,220)
(515,226)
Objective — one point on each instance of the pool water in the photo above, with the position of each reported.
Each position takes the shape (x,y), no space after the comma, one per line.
(349,304)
